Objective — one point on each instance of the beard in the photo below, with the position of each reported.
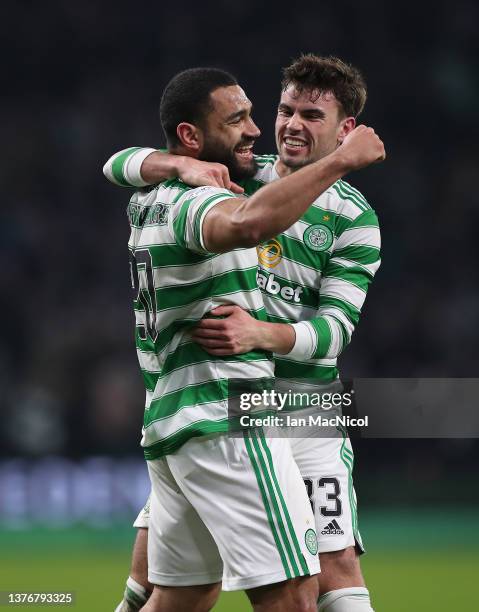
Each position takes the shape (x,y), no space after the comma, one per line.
(215,151)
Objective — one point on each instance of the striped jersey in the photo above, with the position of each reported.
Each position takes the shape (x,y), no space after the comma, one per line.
(318,271)
(176,282)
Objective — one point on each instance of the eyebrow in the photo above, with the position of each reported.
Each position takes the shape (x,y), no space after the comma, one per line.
(304,111)
(240,113)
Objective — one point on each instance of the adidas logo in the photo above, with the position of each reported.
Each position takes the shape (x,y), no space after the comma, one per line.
(332,529)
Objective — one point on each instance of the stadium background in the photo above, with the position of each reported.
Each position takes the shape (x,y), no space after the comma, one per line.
(82,80)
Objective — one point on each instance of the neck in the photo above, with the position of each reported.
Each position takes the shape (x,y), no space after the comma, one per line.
(283,170)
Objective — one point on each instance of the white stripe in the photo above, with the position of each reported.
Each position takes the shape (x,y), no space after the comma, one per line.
(172,276)
(132,166)
(296,273)
(342,290)
(163,428)
(331,200)
(304,343)
(296,312)
(360,236)
(184,377)
(154,235)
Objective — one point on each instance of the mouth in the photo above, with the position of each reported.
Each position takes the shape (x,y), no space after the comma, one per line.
(244,152)
(292,143)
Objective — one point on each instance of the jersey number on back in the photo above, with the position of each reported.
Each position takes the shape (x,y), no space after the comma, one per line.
(144,291)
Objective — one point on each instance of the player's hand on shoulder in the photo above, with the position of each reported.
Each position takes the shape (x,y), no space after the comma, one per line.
(199,173)
(361,147)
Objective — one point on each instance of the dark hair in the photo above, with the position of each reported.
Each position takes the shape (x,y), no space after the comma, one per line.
(187,98)
(320,74)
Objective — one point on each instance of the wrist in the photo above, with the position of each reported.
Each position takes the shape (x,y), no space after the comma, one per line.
(178,165)
(276,337)
(339,162)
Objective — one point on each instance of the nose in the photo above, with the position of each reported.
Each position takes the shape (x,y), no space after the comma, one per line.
(252,130)
(294,123)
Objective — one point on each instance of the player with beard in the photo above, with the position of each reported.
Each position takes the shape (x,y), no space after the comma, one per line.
(282,338)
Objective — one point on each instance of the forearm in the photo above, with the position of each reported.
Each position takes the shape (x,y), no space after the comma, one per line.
(278,205)
(161,166)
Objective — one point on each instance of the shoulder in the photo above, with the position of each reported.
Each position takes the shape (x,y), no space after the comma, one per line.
(347,194)
(345,201)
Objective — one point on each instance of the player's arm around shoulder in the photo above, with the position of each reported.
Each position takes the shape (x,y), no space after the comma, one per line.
(142,166)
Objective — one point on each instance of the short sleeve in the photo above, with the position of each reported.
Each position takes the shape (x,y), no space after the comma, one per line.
(187,215)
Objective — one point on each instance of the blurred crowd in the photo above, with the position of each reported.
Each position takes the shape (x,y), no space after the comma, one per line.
(84,80)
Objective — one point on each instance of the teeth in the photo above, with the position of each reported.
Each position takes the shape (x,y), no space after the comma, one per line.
(293,142)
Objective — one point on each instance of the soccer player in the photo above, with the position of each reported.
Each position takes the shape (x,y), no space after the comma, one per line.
(191,251)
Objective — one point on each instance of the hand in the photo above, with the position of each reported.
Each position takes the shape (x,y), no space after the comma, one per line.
(360,148)
(237,333)
(199,173)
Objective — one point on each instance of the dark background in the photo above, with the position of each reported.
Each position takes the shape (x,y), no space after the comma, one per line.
(81,80)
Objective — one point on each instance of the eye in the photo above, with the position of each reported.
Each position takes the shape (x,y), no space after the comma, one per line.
(285,112)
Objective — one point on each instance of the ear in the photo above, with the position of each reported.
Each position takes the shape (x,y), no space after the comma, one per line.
(190,136)
(345,126)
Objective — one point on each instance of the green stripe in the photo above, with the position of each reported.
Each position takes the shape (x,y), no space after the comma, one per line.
(292,369)
(117,166)
(134,598)
(176,440)
(362,254)
(284,506)
(324,336)
(251,186)
(295,250)
(167,255)
(266,504)
(179,224)
(190,395)
(346,460)
(358,277)
(366,219)
(274,501)
(232,281)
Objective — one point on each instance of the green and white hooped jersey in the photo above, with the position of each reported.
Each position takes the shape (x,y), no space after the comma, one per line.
(176,281)
(318,271)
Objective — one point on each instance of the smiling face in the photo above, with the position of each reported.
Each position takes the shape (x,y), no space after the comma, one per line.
(309,126)
(229,132)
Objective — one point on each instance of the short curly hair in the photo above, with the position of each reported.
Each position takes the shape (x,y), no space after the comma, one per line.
(320,74)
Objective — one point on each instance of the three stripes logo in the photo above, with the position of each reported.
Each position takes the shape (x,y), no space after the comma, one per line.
(332,529)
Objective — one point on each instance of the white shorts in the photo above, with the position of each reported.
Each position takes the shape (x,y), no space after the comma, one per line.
(326,465)
(230,509)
